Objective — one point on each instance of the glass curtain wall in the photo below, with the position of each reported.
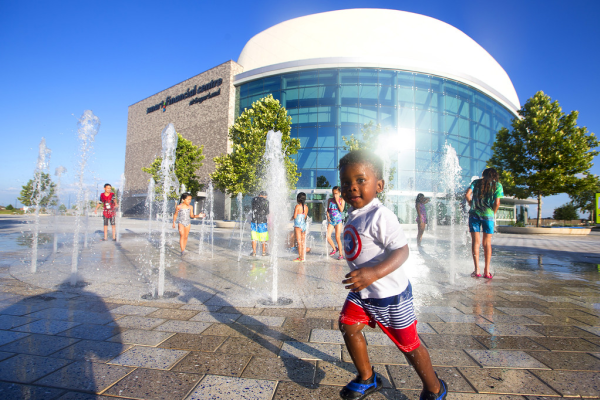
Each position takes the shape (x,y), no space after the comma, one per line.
(418,113)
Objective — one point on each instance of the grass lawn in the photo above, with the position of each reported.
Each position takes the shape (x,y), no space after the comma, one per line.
(10,212)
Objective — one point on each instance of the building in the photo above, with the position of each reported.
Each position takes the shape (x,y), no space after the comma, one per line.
(423,81)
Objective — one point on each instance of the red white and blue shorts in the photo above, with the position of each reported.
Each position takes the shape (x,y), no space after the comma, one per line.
(395,316)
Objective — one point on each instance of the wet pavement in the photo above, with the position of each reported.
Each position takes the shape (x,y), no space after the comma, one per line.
(532,332)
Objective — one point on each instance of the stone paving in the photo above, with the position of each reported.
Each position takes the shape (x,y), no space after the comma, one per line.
(530,333)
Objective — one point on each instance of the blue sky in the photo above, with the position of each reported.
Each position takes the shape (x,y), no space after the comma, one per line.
(58,59)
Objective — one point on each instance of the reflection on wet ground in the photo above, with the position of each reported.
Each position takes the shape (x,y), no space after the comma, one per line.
(533,330)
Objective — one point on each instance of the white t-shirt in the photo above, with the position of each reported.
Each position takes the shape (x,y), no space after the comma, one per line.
(370,235)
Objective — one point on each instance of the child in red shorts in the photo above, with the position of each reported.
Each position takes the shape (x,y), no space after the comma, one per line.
(108,202)
(380,293)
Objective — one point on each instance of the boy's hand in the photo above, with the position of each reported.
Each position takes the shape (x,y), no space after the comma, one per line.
(173,224)
(360,279)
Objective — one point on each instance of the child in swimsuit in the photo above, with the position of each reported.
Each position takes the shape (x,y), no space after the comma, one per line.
(335,206)
(184,213)
(299,218)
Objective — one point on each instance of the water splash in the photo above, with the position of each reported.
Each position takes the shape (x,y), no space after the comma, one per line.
(150,204)
(87,129)
(168,182)
(37,195)
(277,194)
(58,173)
(120,207)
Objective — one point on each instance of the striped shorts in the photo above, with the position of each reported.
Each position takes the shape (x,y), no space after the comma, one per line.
(395,316)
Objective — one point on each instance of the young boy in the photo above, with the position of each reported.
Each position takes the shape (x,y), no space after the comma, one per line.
(380,293)
(109,202)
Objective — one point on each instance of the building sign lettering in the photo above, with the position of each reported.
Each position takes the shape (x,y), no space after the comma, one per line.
(189,93)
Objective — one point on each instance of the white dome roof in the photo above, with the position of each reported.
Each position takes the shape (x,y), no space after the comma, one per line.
(376,38)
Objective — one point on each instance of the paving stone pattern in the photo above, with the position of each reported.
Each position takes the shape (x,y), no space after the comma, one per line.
(528,337)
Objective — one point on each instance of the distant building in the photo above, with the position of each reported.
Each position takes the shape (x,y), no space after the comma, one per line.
(425,82)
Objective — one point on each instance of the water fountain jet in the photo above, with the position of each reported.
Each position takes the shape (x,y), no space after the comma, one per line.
(37,195)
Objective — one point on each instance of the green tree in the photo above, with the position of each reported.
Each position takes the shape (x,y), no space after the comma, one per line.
(243,170)
(322,182)
(188,159)
(566,212)
(30,191)
(10,207)
(544,153)
(370,134)
(62,208)
(585,199)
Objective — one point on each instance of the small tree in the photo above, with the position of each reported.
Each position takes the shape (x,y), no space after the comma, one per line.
(370,141)
(243,170)
(62,208)
(188,159)
(566,212)
(10,207)
(585,200)
(322,182)
(544,153)
(29,191)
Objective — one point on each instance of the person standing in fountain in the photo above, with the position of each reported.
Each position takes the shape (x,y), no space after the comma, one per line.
(335,207)
(484,198)
(258,225)
(300,216)
(108,201)
(421,216)
(184,213)
(380,292)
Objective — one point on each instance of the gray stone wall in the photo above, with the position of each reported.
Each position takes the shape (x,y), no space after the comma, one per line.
(204,123)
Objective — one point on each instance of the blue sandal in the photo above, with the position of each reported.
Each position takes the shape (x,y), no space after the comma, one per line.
(358,389)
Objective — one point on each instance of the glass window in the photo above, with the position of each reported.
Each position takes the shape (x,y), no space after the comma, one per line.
(423,161)
(406,97)
(437,143)
(276,95)
(450,88)
(406,162)
(451,106)
(290,98)
(349,76)
(451,124)
(308,78)
(271,84)
(244,90)
(480,151)
(328,115)
(327,95)
(387,117)
(327,135)
(367,114)
(308,96)
(349,115)
(464,127)
(422,82)
(328,77)
(308,115)
(422,120)
(437,102)
(465,163)
(368,95)
(463,109)
(406,180)
(423,140)
(255,87)
(387,78)
(437,84)
(327,178)
(422,99)
(307,158)
(289,80)
(326,158)
(406,118)
(244,103)
(483,134)
(307,180)
(406,79)
(367,77)
(437,121)
(465,93)
(424,182)
(386,96)
(349,95)
(464,148)
(294,114)
(308,137)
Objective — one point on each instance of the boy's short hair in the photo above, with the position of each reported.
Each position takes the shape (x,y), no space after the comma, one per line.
(363,157)
(107,184)
(262,193)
